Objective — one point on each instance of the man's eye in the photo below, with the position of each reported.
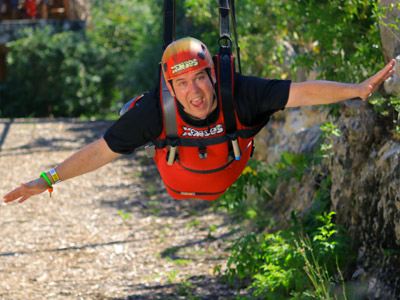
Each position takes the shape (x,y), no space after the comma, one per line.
(181,83)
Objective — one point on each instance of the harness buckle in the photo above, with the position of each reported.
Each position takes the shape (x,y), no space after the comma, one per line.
(236,149)
(202,152)
(171,155)
(235,145)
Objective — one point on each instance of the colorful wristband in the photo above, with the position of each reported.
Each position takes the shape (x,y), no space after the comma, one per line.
(54,175)
(44,176)
(50,187)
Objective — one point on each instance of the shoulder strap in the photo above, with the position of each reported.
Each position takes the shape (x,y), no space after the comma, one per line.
(225,68)
(168,102)
(169,112)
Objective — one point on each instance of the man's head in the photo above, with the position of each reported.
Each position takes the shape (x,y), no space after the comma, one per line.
(189,71)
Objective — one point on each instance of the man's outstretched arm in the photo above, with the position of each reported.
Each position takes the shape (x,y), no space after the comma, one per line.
(325,92)
(89,158)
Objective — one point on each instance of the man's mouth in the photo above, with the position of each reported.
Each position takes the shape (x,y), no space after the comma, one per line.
(197,102)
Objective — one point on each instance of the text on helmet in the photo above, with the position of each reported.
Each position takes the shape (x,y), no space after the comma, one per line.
(184,65)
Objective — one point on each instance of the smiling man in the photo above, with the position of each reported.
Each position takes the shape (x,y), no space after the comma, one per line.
(203,166)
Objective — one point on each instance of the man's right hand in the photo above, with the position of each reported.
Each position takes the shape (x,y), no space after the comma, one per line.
(26,190)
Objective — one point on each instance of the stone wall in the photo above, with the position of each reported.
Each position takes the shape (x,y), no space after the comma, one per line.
(366,196)
(365,193)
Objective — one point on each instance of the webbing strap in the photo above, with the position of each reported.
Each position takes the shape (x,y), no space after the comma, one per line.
(200,142)
(169,22)
(233,13)
(226,71)
(168,110)
(224,18)
(168,102)
(226,89)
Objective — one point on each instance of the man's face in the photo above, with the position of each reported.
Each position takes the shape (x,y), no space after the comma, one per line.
(195,91)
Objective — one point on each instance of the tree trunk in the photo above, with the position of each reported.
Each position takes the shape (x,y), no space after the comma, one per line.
(79,10)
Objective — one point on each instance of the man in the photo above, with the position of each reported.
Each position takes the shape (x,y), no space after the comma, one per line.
(202,167)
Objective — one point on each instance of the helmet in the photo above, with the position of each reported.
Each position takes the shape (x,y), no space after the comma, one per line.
(185,55)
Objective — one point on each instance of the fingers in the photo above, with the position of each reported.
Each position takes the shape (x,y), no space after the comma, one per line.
(13,195)
(373,83)
(387,71)
(25,191)
(24,198)
(20,193)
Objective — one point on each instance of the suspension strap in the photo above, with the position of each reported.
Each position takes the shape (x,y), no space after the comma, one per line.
(224,19)
(225,72)
(227,7)
(233,13)
(169,22)
(168,102)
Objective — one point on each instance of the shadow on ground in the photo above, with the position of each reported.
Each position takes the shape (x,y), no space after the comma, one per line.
(152,198)
(84,133)
(195,287)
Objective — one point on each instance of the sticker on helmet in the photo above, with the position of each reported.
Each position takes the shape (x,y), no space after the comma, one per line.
(184,65)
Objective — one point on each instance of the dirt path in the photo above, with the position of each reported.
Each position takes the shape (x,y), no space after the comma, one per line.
(110,234)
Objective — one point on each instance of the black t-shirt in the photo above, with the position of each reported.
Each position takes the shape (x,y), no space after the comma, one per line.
(256,99)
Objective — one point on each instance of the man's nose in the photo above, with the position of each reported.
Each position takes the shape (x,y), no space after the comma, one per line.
(194,86)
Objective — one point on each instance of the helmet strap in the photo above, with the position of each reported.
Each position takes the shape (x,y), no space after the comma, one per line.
(208,71)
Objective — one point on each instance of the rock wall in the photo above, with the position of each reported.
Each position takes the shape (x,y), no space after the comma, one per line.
(365,193)
(366,196)
(389,27)
(389,23)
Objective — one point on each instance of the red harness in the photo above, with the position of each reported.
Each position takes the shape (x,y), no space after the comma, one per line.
(204,166)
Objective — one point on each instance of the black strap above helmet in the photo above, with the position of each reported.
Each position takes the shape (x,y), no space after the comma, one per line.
(169,22)
(168,102)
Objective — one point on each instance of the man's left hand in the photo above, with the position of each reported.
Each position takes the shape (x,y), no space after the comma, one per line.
(369,86)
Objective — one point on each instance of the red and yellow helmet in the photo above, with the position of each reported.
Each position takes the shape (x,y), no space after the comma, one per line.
(185,55)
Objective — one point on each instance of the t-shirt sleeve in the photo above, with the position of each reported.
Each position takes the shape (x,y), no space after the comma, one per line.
(137,127)
(258,98)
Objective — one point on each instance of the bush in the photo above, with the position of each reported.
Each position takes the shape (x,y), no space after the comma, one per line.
(293,263)
(63,74)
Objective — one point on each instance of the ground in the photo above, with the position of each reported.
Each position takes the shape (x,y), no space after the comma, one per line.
(109,234)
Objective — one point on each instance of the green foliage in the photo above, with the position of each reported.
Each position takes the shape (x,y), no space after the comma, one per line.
(277,38)
(302,261)
(62,74)
(329,132)
(84,73)
(292,165)
(247,197)
(125,216)
(255,180)
(389,108)
(291,263)
(130,30)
